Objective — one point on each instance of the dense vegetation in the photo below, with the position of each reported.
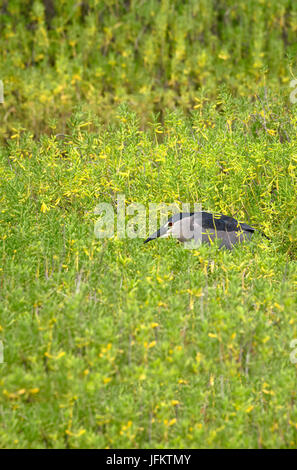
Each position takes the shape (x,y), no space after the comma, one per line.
(109,342)
(153,54)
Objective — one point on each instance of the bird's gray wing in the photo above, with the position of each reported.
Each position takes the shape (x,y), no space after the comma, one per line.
(222,222)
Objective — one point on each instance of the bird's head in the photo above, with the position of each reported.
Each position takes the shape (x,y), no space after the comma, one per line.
(180,226)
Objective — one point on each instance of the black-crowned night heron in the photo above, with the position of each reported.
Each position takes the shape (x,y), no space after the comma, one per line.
(205,227)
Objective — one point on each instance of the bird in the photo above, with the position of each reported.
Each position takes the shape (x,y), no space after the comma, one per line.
(205,227)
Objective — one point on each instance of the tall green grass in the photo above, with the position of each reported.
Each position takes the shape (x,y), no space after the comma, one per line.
(153,54)
(112,343)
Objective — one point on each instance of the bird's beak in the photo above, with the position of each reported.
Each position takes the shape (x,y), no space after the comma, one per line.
(148,239)
(163,232)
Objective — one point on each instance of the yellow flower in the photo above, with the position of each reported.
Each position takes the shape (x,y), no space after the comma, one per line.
(249,408)
(44,207)
(212,335)
(271,131)
(182,382)
(223,55)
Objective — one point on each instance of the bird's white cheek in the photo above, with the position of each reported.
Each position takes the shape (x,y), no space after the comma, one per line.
(166,235)
(177,232)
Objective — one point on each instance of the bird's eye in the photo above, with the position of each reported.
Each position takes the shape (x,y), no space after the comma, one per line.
(170,224)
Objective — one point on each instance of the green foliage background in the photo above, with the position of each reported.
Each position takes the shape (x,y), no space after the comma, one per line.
(112,343)
(154,54)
